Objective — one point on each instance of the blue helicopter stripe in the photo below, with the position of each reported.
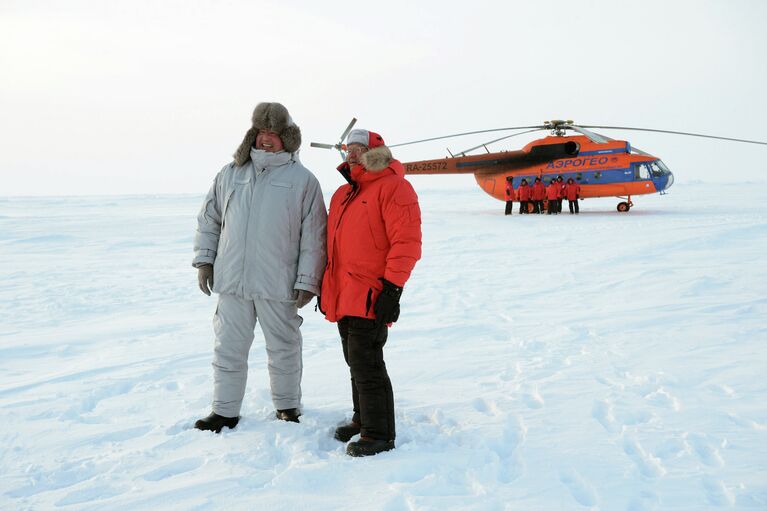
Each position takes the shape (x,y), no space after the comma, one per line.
(588,177)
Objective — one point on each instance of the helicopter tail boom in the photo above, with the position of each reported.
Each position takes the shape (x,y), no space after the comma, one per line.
(493,162)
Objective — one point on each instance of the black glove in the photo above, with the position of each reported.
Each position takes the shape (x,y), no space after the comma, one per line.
(386,307)
(205,278)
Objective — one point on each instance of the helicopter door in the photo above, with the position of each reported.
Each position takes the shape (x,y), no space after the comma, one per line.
(641,171)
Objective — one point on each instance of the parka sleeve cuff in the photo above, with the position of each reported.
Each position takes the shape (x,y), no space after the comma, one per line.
(204,256)
(397,278)
(308,283)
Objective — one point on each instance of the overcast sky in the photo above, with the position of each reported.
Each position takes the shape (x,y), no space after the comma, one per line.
(116,97)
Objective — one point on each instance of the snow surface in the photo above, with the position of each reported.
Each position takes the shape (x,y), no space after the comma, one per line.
(601,361)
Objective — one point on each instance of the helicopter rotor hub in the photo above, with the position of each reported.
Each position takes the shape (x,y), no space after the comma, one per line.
(558,127)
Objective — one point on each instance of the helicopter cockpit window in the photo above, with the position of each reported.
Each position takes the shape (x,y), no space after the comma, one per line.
(642,171)
(659,169)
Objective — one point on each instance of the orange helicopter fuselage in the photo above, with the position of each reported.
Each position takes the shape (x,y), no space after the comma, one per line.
(606,169)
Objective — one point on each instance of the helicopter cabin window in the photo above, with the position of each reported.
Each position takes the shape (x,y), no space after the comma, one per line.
(597,175)
(578,176)
(656,169)
(641,171)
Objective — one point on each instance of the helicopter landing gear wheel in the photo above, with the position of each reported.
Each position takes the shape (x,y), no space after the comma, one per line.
(623,207)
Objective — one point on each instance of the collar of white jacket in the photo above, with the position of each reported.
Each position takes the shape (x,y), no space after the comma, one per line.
(263,160)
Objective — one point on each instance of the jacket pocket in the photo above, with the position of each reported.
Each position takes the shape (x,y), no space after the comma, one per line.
(359,294)
(226,206)
(377,226)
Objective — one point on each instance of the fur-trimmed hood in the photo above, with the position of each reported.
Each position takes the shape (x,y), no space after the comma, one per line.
(273,117)
(377,159)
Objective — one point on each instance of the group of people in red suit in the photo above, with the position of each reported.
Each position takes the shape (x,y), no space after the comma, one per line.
(554,193)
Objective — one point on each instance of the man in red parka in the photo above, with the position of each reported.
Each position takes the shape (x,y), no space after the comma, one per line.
(374,241)
(524,193)
(509,195)
(573,193)
(552,194)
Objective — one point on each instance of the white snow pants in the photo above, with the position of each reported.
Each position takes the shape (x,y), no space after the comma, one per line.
(233,325)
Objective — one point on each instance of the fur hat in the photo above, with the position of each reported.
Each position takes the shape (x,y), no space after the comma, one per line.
(273,117)
(379,156)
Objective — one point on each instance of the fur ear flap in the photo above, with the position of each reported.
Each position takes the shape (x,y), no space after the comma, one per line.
(242,155)
(377,159)
(291,138)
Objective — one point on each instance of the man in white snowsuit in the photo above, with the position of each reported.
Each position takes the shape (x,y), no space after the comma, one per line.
(260,245)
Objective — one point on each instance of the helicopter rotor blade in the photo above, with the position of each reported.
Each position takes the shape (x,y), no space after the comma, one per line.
(322,146)
(498,140)
(594,137)
(339,145)
(468,133)
(633,148)
(676,133)
(347,130)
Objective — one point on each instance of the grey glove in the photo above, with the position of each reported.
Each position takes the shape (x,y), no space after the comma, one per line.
(303,297)
(205,278)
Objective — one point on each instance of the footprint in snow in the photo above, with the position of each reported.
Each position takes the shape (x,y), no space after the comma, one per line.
(648,465)
(645,501)
(483,406)
(509,467)
(661,397)
(580,489)
(717,493)
(602,411)
(174,468)
(706,452)
(533,399)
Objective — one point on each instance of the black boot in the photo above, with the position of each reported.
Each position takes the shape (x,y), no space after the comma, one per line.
(345,432)
(215,422)
(289,415)
(368,447)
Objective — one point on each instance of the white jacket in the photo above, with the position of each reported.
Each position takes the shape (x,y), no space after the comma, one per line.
(263,228)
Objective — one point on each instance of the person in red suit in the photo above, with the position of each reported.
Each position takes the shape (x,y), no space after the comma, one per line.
(524,192)
(509,195)
(573,193)
(374,241)
(552,194)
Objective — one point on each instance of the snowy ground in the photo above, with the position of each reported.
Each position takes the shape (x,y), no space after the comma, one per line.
(605,361)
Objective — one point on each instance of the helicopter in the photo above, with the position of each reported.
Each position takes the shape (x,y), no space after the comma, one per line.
(604,167)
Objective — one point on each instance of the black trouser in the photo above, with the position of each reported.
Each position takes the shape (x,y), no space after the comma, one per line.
(573,204)
(552,207)
(538,206)
(559,205)
(372,395)
(509,205)
(523,207)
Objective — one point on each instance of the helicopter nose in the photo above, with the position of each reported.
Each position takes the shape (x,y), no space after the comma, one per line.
(669,180)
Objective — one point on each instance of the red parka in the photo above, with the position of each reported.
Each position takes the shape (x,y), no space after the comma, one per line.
(524,192)
(509,191)
(552,191)
(539,190)
(374,232)
(573,191)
